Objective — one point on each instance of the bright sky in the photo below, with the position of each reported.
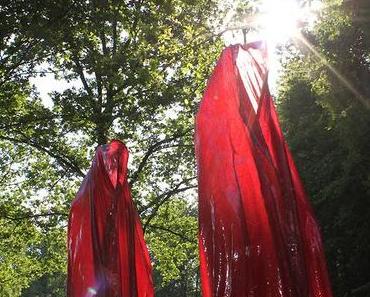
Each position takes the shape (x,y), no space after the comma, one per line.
(47,84)
(277,23)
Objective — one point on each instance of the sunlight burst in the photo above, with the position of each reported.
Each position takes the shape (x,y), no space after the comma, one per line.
(279,20)
(276,22)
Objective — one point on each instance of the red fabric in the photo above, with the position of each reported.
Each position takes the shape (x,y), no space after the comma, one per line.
(258,236)
(107,255)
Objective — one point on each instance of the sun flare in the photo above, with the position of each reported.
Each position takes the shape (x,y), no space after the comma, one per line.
(276,22)
(279,20)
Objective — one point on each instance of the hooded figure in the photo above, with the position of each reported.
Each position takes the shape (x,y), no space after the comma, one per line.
(107,255)
(257,233)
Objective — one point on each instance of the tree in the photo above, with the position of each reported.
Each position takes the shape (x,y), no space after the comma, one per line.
(325,110)
(138,69)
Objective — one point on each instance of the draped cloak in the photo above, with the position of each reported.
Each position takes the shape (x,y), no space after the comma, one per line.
(107,255)
(257,233)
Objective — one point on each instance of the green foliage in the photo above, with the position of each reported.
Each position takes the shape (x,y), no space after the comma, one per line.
(32,243)
(17,246)
(136,70)
(174,249)
(324,107)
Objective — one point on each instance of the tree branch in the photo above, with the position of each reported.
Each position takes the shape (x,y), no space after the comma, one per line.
(80,72)
(183,237)
(161,199)
(151,150)
(114,37)
(99,85)
(63,160)
(24,121)
(103,43)
(170,194)
(363,288)
(33,216)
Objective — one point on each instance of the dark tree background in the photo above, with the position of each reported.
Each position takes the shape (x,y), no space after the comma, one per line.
(324,107)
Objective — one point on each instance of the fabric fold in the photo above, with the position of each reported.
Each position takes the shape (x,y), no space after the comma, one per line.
(107,254)
(257,232)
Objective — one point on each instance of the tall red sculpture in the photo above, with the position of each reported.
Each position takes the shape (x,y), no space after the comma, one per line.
(258,236)
(107,255)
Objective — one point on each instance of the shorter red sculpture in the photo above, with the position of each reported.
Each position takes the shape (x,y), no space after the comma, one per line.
(107,255)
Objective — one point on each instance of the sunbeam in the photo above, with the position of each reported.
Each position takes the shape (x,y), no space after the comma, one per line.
(344,80)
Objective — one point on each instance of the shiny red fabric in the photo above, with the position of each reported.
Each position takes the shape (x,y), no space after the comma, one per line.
(257,234)
(107,255)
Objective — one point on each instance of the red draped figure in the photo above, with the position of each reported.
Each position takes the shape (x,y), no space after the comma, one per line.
(107,255)
(258,236)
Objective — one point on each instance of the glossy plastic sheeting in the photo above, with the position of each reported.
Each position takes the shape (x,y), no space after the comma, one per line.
(258,236)
(107,255)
